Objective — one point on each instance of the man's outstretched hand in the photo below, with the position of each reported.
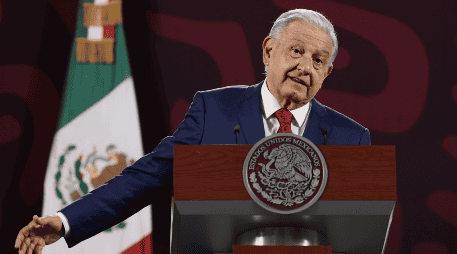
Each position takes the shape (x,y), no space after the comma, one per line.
(39,232)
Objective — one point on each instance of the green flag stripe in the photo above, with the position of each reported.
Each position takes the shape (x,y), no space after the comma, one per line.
(87,83)
(81,30)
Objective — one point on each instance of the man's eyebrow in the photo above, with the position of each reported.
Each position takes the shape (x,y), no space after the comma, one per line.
(322,51)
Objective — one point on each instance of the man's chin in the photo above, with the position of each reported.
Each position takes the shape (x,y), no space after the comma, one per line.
(295,102)
(300,96)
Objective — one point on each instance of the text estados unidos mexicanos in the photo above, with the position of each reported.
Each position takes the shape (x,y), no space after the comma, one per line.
(297,142)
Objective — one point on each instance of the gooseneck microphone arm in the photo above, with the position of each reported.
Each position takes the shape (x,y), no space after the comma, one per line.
(236,130)
(324,132)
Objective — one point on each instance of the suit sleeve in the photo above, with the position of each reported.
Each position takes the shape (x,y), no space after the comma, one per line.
(134,187)
(366,138)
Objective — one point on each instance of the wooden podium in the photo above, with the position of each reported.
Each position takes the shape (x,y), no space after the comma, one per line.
(212,207)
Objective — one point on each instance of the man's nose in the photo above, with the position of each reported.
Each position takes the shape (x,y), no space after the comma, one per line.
(305,64)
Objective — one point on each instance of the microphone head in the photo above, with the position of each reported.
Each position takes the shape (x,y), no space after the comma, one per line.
(237,128)
(324,131)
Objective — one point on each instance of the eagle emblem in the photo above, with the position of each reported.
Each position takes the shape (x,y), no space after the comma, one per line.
(78,174)
(285,173)
(287,159)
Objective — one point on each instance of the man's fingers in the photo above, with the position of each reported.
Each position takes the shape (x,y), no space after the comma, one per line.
(21,247)
(36,219)
(19,239)
(25,231)
(39,249)
(28,240)
(44,221)
(24,246)
(23,234)
(32,245)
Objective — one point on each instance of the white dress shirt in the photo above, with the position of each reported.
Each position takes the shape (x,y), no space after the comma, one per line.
(270,105)
(66,225)
(270,124)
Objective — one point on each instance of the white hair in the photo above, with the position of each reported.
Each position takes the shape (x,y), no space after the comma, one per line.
(312,17)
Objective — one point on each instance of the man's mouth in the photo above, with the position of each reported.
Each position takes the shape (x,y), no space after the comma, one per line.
(297,80)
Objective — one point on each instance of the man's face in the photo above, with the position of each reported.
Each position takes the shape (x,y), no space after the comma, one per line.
(297,63)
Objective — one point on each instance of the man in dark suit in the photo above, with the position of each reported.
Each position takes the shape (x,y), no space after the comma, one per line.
(298,55)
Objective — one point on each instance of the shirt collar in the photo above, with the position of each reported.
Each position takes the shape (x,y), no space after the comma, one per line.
(271,105)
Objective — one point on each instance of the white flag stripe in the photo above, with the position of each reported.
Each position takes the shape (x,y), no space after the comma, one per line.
(95,33)
(111,121)
(101,1)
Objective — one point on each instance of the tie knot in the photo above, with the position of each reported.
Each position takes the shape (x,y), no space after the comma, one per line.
(285,119)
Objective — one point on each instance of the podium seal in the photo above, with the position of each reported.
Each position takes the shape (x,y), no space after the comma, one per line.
(285,173)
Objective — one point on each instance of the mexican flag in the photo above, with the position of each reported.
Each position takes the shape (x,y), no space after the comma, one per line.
(98,133)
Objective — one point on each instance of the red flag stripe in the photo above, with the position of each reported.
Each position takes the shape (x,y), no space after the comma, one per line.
(144,246)
(108,32)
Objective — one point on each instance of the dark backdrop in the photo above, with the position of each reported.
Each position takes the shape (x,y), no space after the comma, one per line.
(395,74)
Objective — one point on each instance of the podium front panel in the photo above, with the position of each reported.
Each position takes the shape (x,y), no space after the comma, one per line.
(212,206)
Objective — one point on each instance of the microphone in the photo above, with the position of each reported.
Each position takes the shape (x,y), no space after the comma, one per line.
(236,130)
(324,132)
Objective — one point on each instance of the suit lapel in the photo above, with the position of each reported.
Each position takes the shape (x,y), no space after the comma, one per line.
(317,120)
(251,121)
(250,114)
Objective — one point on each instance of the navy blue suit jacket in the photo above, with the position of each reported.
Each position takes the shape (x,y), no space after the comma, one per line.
(210,120)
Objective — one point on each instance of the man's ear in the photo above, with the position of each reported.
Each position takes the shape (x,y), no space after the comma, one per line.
(267,46)
(329,70)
